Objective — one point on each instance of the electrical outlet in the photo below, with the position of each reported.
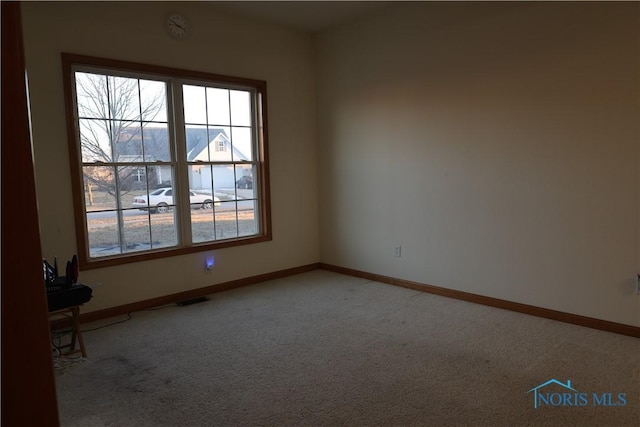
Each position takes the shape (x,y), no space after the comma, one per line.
(397,251)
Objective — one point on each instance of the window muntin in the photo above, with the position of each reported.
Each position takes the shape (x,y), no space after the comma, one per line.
(168,163)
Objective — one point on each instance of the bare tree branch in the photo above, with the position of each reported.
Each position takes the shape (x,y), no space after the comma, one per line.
(111,123)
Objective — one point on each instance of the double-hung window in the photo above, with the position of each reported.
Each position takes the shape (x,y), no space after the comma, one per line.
(164,161)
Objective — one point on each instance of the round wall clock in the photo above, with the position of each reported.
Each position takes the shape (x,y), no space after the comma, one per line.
(177,25)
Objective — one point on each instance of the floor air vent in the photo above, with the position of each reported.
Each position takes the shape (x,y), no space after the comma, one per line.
(192,301)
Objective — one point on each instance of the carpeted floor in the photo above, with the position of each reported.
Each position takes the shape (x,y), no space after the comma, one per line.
(323,349)
(62,364)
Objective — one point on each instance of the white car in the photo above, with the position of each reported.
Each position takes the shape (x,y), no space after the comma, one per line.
(162,199)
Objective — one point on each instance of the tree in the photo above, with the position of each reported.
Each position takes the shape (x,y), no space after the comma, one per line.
(113,112)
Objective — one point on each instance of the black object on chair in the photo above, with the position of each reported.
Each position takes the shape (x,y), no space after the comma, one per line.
(65,296)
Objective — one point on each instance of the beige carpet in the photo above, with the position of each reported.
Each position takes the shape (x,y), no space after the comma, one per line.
(323,349)
(62,364)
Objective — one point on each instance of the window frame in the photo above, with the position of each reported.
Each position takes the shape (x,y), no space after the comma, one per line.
(263,212)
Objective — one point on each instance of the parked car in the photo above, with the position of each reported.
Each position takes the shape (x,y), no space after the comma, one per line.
(245,182)
(162,198)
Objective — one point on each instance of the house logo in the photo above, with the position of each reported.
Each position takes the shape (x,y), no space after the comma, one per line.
(540,397)
(554,393)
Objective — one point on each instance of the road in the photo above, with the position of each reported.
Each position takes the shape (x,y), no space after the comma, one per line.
(224,206)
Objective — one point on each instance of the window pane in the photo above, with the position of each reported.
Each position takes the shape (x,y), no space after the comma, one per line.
(136,231)
(242,144)
(201,199)
(102,228)
(218,106)
(124,100)
(164,232)
(160,176)
(244,182)
(195,107)
(127,141)
(95,142)
(99,188)
(162,201)
(156,143)
(202,225)
(223,182)
(91,92)
(197,143)
(240,107)
(219,145)
(135,197)
(226,221)
(200,178)
(159,200)
(153,100)
(132,182)
(247,219)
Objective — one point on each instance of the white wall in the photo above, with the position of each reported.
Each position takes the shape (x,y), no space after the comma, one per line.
(496,142)
(218,43)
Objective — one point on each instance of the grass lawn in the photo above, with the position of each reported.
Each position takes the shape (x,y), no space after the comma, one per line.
(144,230)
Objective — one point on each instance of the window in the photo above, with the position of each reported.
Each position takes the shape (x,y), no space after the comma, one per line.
(140,175)
(164,161)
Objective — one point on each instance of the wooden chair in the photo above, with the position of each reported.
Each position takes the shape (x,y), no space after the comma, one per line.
(73,313)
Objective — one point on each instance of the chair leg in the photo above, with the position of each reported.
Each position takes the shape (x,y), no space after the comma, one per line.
(76,331)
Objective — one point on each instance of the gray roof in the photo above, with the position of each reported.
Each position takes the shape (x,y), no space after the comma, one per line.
(156,146)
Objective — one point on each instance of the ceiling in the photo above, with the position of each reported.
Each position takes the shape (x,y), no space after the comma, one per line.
(309,16)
